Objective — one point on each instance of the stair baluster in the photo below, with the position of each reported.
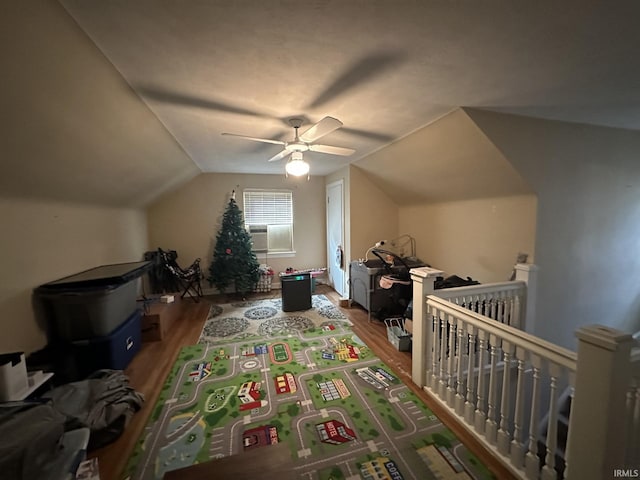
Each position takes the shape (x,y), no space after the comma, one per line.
(442,386)
(503,432)
(572,381)
(491,429)
(469,406)
(462,354)
(435,359)
(480,410)
(532,462)
(517,445)
(514,312)
(548,471)
(451,357)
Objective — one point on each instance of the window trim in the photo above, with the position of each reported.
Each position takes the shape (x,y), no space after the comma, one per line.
(272,253)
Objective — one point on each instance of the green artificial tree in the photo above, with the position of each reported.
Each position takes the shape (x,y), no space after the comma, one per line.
(234,263)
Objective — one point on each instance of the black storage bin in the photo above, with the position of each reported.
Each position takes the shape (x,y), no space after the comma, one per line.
(114,351)
(296,292)
(92,303)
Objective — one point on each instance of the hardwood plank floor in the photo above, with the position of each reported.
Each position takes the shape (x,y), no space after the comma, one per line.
(149,368)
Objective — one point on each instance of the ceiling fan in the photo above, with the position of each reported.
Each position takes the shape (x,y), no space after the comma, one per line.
(302,143)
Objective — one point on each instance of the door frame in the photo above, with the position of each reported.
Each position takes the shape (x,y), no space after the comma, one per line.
(331,255)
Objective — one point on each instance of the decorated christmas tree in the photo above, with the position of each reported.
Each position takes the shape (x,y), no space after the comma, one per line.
(234,263)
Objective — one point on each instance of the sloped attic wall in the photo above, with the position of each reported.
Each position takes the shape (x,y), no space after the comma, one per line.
(72,128)
(588,230)
(81,153)
(455,193)
(448,160)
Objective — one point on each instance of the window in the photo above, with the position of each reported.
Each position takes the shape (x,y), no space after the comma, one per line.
(268,215)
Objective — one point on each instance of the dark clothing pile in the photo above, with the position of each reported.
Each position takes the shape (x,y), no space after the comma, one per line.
(33,432)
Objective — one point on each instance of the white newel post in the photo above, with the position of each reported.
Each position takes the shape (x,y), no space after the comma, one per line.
(423,284)
(597,421)
(528,274)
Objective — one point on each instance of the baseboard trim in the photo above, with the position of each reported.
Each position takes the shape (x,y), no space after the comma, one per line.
(214,291)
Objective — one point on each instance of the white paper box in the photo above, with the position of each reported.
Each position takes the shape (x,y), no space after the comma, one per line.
(166,299)
(13,376)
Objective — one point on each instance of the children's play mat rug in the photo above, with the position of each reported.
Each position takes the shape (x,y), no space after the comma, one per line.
(261,376)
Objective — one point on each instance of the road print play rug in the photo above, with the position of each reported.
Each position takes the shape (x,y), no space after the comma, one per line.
(342,412)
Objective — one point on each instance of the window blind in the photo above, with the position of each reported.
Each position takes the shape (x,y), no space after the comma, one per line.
(262,207)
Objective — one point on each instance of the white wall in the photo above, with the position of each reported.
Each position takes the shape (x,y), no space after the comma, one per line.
(588,231)
(475,238)
(42,241)
(188,219)
(374,215)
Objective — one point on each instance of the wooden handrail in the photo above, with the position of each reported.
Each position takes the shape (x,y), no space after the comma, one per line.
(480,289)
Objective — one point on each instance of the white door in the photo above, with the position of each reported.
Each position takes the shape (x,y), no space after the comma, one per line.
(336,262)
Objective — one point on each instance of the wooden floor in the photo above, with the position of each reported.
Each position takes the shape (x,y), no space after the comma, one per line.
(149,368)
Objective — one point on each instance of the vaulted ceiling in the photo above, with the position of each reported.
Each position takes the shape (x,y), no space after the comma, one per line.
(141,90)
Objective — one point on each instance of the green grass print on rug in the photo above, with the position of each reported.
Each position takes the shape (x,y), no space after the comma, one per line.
(319,389)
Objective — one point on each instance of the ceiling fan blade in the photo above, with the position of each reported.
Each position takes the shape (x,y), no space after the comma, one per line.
(187,100)
(345,152)
(381,137)
(320,129)
(370,66)
(280,156)
(255,139)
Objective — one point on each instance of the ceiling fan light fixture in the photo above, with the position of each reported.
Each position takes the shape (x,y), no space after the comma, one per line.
(303,143)
(296,147)
(297,166)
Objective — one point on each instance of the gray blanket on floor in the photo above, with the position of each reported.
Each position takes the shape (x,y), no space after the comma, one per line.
(31,437)
(104,403)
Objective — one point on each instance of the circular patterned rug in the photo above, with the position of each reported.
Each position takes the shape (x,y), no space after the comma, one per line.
(260,313)
(224,327)
(258,319)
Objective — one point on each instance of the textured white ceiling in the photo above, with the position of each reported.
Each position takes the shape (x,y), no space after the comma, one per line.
(384,68)
(116,102)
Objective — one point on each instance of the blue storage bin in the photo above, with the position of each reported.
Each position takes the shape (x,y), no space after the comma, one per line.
(114,351)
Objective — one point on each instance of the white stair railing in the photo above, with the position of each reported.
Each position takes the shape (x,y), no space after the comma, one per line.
(504,301)
(504,386)
(498,381)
